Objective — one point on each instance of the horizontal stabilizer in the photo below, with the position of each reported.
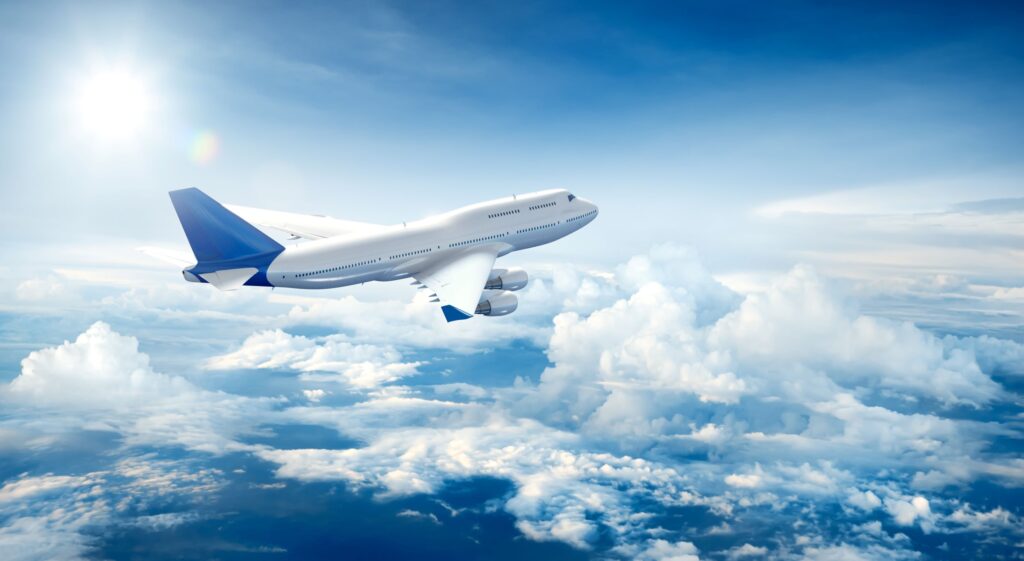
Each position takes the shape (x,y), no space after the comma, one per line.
(178,258)
(229,279)
(309,226)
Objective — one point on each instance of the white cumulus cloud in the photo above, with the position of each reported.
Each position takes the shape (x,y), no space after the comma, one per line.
(357,365)
(100,368)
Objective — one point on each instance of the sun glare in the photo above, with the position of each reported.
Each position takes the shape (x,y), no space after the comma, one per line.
(114,104)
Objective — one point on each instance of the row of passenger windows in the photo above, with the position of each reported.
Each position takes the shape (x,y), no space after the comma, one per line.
(428,250)
(339,268)
(483,239)
(535,228)
(584,215)
(361,263)
(411,253)
(545,205)
(504,213)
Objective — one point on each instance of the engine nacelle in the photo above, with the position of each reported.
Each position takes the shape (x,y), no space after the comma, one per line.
(497,303)
(507,279)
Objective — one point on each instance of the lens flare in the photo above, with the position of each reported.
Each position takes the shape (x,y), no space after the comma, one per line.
(204,147)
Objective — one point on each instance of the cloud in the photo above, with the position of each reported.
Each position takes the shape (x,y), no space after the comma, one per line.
(995,520)
(647,341)
(993,354)
(52,536)
(356,365)
(665,390)
(265,349)
(41,289)
(662,550)
(991,206)
(164,521)
(314,395)
(864,500)
(615,370)
(917,251)
(746,551)
(415,514)
(680,270)
(101,368)
(55,517)
(906,511)
(29,487)
(646,373)
(800,323)
(745,481)
(470,391)
(560,494)
(796,361)
(102,378)
(847,552)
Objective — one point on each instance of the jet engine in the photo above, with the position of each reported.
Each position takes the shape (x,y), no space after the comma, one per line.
(497,303)
(507,279)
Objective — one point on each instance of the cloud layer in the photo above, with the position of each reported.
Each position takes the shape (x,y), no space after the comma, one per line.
(665,392)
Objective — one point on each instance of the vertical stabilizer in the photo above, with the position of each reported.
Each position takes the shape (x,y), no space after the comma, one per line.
(214,232)
(221,241)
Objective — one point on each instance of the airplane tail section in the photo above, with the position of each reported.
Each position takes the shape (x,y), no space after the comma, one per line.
(229,251)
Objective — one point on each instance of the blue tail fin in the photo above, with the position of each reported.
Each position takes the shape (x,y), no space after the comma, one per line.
(218,237)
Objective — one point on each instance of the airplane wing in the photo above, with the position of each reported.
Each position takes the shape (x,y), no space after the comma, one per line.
(459,281)
(309,226)
(175,257)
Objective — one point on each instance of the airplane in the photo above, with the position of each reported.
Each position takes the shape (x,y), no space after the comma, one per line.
(451,254)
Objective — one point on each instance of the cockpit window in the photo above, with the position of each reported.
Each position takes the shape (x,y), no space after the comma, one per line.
(571,197)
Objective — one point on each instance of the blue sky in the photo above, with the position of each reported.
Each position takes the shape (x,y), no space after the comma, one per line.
(793,333)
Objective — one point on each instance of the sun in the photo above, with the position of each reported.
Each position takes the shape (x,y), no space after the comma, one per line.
(114,103)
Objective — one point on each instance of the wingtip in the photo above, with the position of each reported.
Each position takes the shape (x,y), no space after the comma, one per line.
(451,313)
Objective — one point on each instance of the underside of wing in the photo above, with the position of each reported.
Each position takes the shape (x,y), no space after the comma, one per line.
(459,281)
(229,279)
(309,226)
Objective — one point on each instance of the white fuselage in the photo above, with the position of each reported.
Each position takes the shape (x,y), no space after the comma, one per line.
(395,252)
